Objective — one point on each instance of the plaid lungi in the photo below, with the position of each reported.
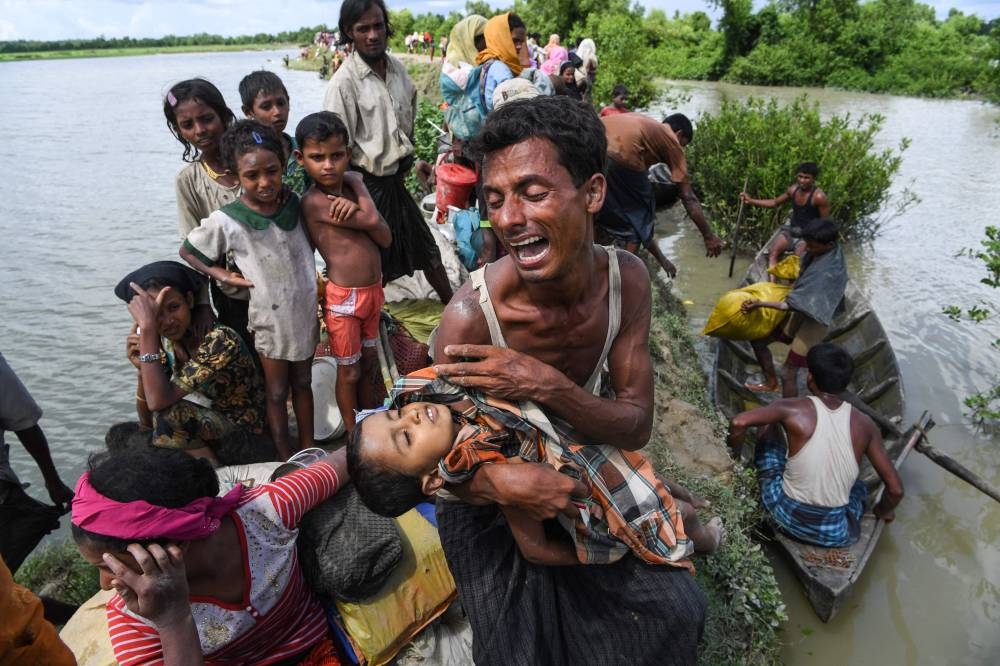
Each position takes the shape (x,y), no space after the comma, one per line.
(819,525)
(627,612)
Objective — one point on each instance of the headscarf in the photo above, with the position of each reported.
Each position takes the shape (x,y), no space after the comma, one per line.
(587,51)
(572,90)
(499,45)
(555,56)
(139,519)
(462,40)
(173,273)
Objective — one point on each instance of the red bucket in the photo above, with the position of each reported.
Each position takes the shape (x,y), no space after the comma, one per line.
(454,186)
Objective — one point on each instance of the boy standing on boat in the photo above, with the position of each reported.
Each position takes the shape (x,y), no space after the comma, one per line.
(813,491)
(813,300)
(808,203)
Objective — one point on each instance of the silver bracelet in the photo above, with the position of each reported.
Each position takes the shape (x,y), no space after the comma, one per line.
(149,358)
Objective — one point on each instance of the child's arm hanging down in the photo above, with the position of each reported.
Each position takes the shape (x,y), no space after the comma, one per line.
(535,545)
(204,265)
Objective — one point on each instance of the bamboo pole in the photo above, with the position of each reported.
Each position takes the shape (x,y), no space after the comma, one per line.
(939,458)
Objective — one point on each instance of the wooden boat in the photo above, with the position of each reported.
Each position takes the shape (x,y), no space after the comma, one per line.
(828,574)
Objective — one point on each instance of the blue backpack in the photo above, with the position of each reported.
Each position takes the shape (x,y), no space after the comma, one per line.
(466,109)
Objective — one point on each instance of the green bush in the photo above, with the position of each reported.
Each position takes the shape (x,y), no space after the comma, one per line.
(762,142)
(58,571)
(623,59)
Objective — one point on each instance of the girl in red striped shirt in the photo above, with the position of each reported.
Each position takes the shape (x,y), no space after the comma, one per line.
(200,578)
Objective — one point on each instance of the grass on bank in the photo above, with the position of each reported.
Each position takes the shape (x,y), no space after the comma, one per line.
(746,610)
(137,51)
(58,571)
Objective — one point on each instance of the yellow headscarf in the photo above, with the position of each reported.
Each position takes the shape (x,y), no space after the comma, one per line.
(462,40)
(499,45)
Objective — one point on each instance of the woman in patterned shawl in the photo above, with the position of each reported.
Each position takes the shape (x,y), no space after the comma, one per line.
(194,389)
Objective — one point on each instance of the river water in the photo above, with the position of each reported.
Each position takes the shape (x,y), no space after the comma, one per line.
(88,195)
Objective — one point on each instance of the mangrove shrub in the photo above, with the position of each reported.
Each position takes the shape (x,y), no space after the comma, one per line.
(762,142)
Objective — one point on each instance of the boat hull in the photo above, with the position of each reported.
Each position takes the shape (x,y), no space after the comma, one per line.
(827,574)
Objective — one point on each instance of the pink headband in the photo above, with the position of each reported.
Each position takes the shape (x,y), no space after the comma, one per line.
(96,513)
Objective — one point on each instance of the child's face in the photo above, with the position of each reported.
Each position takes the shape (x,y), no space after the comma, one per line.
(199,124)
(568,75)
(325,161)
(270,108)
(410,440)
(259,172)
(620,100)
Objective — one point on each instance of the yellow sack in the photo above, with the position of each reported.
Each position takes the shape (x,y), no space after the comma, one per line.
(727,321)
(418,591)
(786,269)
(86,633)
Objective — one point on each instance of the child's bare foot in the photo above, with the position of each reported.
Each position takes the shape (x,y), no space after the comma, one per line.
(715,535)
(697,501)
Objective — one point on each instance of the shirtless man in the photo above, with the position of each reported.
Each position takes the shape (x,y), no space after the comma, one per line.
(538,330)
(808,203)
(813,491)
(635,143)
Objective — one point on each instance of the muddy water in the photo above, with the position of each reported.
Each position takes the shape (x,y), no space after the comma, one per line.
(931,594)
(87,195)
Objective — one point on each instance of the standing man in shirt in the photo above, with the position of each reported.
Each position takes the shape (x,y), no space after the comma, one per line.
(373,94)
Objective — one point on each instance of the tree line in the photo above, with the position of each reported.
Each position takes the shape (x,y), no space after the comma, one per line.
(891,46)
(300,36)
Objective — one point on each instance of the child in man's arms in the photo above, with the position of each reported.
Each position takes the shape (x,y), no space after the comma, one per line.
(429,438)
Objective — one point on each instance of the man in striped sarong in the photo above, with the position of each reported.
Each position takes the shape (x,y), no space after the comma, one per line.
(537,327)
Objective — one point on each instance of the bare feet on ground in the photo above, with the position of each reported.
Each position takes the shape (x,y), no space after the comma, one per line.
(697,501)
(715,532)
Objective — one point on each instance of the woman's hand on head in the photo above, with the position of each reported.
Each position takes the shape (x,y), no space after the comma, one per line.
(145,309)
(160,592)
(132,346)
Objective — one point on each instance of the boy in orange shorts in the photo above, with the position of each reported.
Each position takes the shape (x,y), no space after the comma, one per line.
(344,225)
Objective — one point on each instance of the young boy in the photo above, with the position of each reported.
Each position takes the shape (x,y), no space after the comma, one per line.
(432,437)
(266,100)
(813,300)
(350,248)
(808,203)
(619,101)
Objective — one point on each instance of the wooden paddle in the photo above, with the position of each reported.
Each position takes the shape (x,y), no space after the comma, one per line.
(736,229)
(923,446)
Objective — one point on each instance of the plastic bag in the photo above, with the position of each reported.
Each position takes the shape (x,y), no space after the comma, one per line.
(786,269)
(728,321)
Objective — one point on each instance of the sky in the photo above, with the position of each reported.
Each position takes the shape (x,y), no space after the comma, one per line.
(62,19)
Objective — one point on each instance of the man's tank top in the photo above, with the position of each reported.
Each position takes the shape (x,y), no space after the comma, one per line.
(804,213)
(825,468)
(614,315)
(553,426)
